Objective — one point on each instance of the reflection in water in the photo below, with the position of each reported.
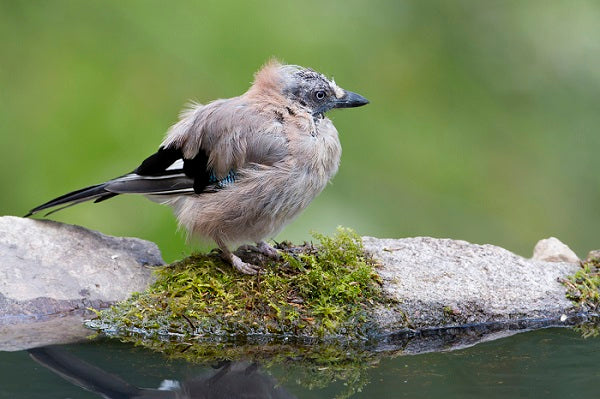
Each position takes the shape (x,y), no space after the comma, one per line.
(544,363)
(312,367)
(228,380)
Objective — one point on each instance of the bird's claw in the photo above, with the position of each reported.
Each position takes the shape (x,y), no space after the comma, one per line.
(243,267)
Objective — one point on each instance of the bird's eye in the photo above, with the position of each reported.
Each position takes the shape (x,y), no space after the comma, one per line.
(320,95)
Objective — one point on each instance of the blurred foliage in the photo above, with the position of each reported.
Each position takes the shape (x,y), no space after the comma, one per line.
(482,124)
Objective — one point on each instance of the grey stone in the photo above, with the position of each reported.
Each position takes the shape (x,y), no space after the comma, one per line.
(553,250)
(438,283)
(437,287)
(51,269)
(592,255)
(44,331)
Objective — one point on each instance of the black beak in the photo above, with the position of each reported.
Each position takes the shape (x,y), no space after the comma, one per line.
(350,100)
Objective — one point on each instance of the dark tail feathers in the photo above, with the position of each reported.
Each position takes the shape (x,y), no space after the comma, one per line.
(97,193)
(173,182)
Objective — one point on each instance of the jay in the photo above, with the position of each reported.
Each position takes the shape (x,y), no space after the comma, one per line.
(237,170)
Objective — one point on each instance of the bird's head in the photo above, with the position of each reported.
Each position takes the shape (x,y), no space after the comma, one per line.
(309,88)
(315,92)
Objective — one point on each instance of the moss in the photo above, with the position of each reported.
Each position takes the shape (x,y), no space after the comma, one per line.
(317,298)
(583,286)
(317,291)
(450,312)
(589,329)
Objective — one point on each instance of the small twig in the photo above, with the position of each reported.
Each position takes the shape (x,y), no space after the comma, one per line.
(186,348)
(189,321)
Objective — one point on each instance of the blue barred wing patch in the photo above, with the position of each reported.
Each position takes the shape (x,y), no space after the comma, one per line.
(224,182)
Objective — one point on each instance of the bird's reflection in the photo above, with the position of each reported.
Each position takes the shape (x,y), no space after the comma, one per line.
(227,380)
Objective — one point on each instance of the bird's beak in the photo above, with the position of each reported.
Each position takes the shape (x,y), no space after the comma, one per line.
(350,100)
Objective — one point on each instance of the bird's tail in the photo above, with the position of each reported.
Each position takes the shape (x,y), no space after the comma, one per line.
(172,182)
(97,193)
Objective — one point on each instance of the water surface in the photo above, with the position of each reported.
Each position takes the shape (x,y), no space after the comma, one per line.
(554,362)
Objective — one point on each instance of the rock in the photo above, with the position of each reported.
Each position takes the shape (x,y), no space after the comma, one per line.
(44,331)
(553,250)
(592,255)
(51,269)
(437,283)
(435,286)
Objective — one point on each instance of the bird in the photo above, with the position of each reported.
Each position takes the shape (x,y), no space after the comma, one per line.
(237,170)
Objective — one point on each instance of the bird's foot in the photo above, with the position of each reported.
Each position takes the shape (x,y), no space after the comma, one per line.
(243,267)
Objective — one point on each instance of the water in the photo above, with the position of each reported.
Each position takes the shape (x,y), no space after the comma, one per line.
(549,363)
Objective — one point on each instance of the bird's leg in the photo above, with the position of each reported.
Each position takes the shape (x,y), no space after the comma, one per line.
(265,249)
(236,262)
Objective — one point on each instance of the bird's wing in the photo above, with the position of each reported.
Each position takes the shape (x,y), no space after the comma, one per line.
(207,148)
(166,172)
(226,136)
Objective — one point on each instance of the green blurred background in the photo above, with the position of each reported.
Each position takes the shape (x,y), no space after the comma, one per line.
(483,122)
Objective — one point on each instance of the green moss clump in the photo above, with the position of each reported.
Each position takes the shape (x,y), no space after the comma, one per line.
(317,291)
(583,286)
